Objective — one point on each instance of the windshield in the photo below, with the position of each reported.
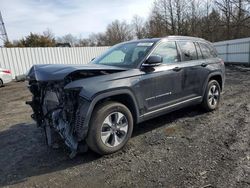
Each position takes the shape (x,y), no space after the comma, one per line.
(127,55)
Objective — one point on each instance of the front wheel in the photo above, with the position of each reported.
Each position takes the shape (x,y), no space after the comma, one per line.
(110,128)
(211,98)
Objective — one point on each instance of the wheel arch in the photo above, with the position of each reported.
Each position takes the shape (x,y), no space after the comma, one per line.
(124,99)
(214,76)
(124,96)
(218,78)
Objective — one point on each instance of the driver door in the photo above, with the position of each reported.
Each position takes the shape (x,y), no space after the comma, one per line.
(162,85)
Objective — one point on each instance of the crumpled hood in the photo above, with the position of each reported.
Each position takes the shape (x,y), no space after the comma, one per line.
(53,72)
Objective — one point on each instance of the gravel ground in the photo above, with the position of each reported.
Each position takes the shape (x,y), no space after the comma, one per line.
(187,148)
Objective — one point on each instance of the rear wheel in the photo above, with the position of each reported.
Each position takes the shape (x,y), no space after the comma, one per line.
(211,98)
(110,128)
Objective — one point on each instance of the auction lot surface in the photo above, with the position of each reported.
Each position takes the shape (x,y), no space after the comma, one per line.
(187,148)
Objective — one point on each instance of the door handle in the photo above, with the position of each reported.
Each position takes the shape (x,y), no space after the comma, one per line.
(176,69)
(203,64)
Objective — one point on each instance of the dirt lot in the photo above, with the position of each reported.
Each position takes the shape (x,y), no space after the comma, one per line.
(187,148)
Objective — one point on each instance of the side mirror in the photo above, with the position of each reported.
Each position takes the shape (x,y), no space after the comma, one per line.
(153,61)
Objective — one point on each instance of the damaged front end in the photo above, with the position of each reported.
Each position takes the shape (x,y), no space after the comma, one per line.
(60,110)
(59,107)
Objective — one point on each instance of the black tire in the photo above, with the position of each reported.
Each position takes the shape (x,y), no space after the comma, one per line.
(211,99)
(1,83)
(96,127)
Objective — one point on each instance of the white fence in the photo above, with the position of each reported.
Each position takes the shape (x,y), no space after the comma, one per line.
(19,60)
(234,51)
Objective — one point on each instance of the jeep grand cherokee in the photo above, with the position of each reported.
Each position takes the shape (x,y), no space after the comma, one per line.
(97,104)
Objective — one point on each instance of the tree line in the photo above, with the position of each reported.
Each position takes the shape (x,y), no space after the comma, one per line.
(214,20)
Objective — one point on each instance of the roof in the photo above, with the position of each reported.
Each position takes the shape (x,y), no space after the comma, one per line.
(145,40)
(179,37)
(172,37)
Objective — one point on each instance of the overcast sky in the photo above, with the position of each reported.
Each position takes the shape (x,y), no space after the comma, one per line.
(79,17)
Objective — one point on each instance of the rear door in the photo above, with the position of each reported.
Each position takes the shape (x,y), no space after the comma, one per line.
(194,71)
(209,58)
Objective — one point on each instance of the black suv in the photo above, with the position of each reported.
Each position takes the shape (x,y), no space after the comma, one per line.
(97,104)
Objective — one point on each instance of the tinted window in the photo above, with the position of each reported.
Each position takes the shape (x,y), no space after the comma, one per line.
(168,51)
(212,50)
(188,50)
(207,51)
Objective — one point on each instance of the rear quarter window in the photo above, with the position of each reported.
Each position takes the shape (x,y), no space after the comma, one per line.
(207,51)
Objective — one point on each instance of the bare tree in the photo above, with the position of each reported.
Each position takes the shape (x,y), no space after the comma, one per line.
(171,16)
(49,34)
(226,7)
(118,32)
(241,16)
(155,26)
(172,13)
(138,26)
(69,38)
(194,14)
(214,33)
(169,9)
(180,10)
(98,39)
(161,8)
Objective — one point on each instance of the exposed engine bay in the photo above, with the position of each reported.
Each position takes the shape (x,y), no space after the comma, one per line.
(61,110)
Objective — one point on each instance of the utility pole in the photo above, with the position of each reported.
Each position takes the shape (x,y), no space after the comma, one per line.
(3,33)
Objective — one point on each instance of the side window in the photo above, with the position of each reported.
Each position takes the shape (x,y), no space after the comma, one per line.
(168,51)
(198,49)
(188,50)
(212,50)
(207,51)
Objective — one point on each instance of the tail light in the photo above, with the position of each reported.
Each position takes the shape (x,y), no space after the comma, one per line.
(7,71)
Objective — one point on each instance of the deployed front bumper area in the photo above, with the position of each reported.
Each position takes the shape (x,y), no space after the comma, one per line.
(59,110)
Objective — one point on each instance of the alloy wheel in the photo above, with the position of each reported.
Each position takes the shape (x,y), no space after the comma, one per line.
(114,129)
(213,95)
